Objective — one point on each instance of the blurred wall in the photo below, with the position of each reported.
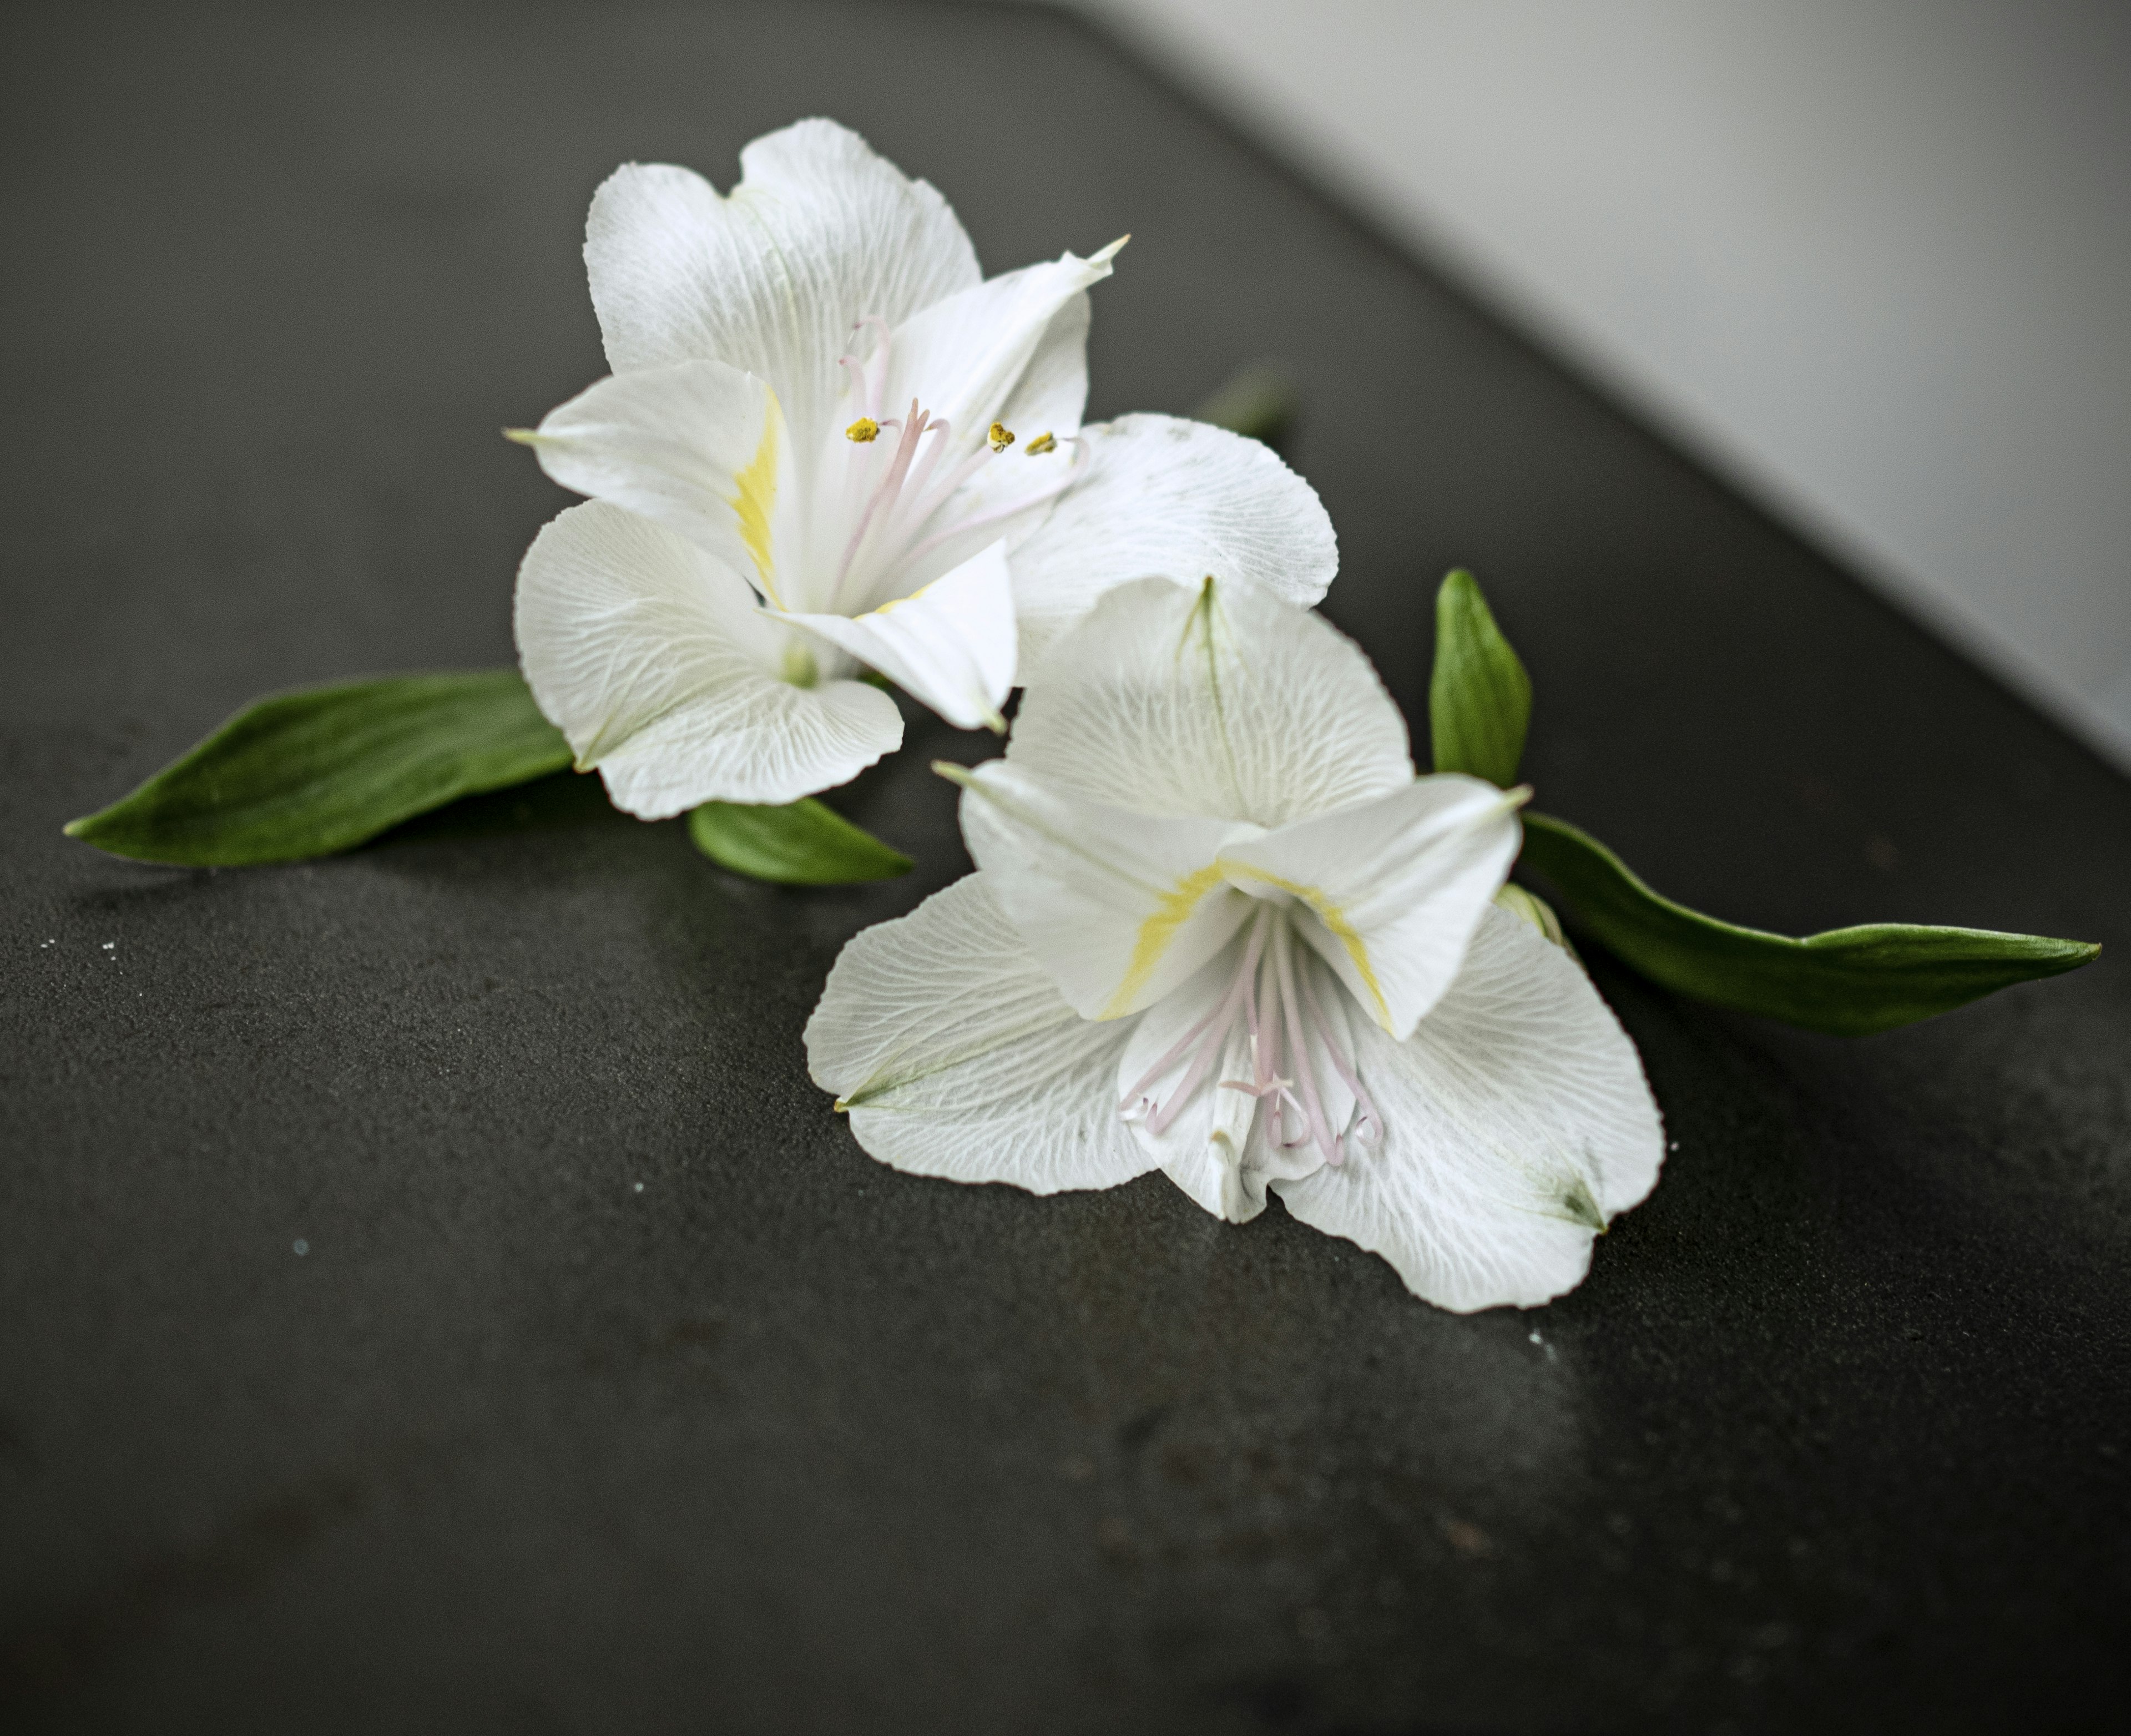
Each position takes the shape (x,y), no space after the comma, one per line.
(1874,258)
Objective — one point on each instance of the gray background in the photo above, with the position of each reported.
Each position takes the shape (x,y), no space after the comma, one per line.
(1871,255)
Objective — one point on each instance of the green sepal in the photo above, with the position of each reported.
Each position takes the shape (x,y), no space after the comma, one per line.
(1258,401)
(804,843)
(1479,698)
(1847,982)
(310,772)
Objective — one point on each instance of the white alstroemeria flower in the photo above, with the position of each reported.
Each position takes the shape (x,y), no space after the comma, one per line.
(1219,927)
(830,443)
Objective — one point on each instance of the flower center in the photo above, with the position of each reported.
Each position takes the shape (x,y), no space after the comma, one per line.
(1272,1004)
(902,502)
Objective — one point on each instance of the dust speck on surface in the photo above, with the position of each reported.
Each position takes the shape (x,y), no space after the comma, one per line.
(301,1246)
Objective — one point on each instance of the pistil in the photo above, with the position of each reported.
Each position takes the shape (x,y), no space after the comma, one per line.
(1271,1003)
(895,528)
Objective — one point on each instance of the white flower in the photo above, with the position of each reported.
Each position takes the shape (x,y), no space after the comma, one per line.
(829,443)
(1219,927)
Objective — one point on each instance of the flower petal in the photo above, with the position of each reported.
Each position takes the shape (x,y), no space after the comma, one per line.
(963,358)
(949,1045)
(655,661)
(1121,907)
(1053,389)
(1219,700)
(1517,1122)
(1166,498)
(1219,1143)
(1397,885)
(696,446)
(1203,1148)
(950,645)
(820,234)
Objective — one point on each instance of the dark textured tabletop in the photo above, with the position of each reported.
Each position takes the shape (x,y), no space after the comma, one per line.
(617,1389)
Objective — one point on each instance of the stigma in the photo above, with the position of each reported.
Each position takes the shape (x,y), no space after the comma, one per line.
(1294,1051)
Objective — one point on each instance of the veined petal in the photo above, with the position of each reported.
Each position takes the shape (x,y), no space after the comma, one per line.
(965,357)
(820,234)
(1516,1123)
(1121,907)
(1166,498)
(1221,700)
(1397,885)
(951,1047)
(950,645)
(1202,1145)
(696,445)
(653,659)
(1052,390)
(1221,1133)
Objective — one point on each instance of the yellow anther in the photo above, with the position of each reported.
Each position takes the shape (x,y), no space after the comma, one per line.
(864,429)
(1041,443)
(1002,437)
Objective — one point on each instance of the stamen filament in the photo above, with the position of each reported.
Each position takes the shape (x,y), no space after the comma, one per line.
(1271,1002)
(1291,1006)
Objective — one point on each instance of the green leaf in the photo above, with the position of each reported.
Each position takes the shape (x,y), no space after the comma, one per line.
(1849,981)
(1479,698)
(310,772)
(801,844)
(1259,402)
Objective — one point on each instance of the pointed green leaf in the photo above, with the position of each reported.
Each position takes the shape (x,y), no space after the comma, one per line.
(1479,698)
(1258,401)
(1849,981)
(310,772)
(801,844)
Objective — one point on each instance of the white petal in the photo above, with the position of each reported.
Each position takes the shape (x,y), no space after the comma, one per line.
(1166,498)
(654,661)
(696,446)
(963,358)
(1053,389)
(1517,1122)
(955,1057)
(1121,907)
(820,234)
(951,645)
(1224,701)
(1397,885)
(1204,1150)
(1220,1143)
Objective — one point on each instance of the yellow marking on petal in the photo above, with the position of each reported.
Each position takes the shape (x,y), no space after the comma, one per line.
(1000,437)
(758,495)
(1332,917)
(897,602)
(1043,442)
(863,430)
(1157,931)
(523,436)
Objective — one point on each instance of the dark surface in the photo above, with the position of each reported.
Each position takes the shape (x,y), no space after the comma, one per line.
(1834,1437)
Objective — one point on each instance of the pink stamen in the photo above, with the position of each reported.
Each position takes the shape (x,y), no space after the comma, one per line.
(1291,1006)
(1271,1001)
(1051,491)
(1369,1125)
(887,488)
(1213,1028)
